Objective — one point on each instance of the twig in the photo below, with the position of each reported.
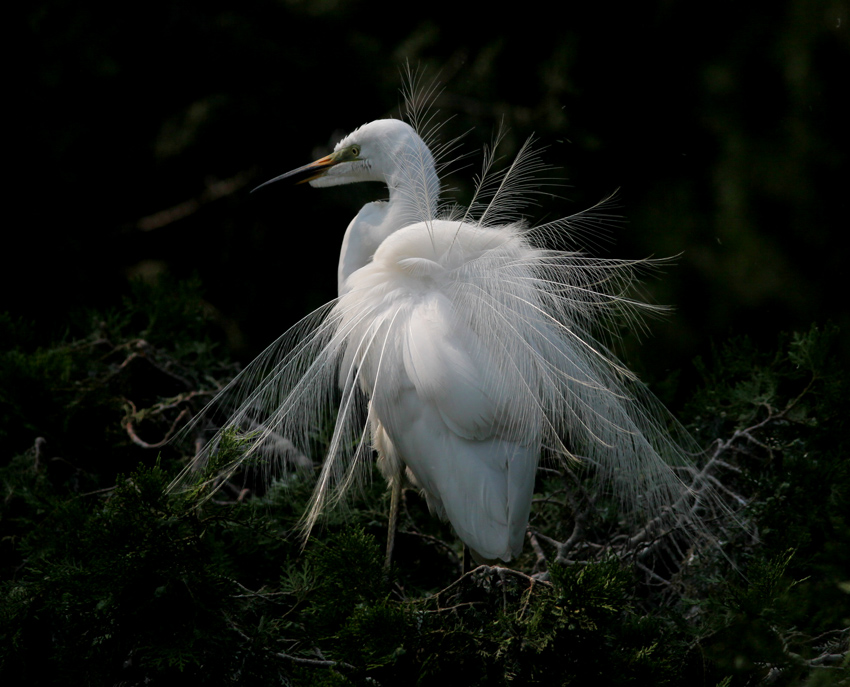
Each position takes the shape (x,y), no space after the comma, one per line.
(538,551)
(314,662)
(128,426)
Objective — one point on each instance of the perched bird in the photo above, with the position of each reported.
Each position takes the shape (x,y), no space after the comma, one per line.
(459,348)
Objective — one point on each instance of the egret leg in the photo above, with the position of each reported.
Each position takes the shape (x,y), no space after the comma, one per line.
(395,498)
(466,562)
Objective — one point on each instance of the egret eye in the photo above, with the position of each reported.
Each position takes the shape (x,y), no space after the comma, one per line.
(355,151)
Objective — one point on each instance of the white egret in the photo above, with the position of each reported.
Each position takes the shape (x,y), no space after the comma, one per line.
(459,348)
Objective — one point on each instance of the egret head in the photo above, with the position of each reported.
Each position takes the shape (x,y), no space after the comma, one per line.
(384,150)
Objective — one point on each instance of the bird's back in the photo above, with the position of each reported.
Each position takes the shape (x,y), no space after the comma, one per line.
(419,321)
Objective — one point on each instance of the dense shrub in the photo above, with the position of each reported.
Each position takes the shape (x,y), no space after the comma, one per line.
(109,579)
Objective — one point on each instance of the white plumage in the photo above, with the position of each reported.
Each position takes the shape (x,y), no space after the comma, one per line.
(459,348)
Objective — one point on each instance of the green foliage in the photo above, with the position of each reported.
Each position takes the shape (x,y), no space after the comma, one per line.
(786,414)
(107,578)
(130,581)
(348,570)
(118,379)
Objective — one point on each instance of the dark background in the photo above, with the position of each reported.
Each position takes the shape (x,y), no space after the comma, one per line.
(725,127)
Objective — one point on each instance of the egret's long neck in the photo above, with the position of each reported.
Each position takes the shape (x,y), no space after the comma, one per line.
(409,202)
